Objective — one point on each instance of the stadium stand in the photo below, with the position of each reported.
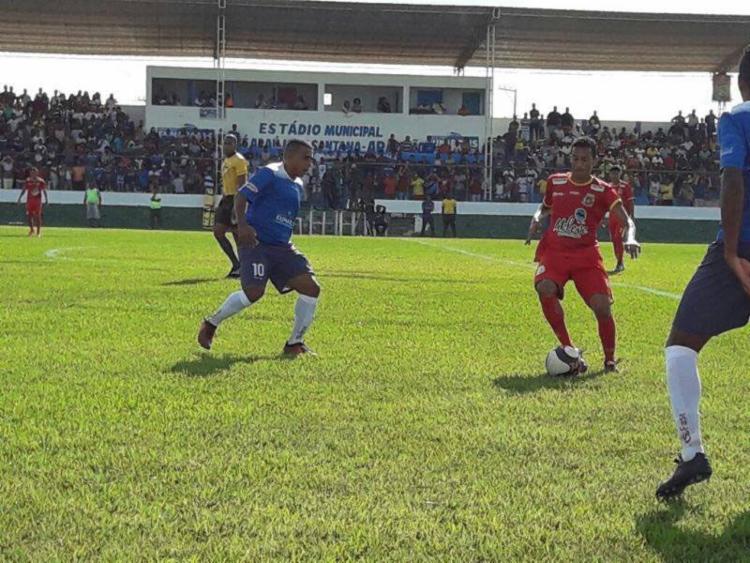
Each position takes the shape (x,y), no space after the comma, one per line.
(81,140)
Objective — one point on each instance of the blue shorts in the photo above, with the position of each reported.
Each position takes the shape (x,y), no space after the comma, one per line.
(277,263)
(714,301)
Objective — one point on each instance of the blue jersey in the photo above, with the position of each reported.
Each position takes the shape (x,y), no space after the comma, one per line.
(274,200)
(734,141)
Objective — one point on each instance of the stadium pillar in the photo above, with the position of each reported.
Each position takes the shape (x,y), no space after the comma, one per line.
(489,96)
(219,65)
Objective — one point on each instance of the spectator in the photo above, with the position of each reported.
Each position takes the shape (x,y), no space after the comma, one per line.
(155,206)
(594,124)
(347,108)
(357,106)
(384,105)
(417,186)
(463,110)
(428,206)
(389,186)
(301,104)
(567,122)
(666,192)
(554,122)
(535,124)
(710,124)
(403,182)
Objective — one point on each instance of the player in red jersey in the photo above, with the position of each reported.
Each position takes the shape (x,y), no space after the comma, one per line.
(36,190)
(576,203)
(617,229)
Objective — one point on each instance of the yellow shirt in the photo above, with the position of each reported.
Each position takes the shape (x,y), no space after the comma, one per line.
(233,167)
(542,186)
(417,186)
(449,206)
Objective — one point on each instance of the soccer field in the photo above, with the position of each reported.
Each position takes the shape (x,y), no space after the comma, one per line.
(423,430)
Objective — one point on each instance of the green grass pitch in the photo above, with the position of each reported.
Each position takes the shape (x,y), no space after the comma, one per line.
(424,430)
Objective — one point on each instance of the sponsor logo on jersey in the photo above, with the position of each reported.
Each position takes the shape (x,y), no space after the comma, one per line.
(597,188)
(574,192)
(559,181)
(284,220)
(570,227)
(589,200)
(581,215)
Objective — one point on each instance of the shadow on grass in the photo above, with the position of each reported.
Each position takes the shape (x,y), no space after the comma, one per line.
(206,365)
(675,545)
(192,281)
(521,384)
(378,277)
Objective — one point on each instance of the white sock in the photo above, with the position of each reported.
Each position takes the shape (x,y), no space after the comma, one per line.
(304,311)
(235,303)
(684,386)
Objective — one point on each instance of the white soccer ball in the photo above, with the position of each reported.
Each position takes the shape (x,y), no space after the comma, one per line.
(563,360)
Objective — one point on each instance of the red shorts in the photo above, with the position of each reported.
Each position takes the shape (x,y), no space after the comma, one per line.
(585,267)
(33,207)
(615,229)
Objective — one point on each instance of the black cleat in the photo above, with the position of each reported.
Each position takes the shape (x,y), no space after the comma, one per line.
(297,349)
(234,273)
(687,473)
(206,335)
(611,367)
(620,268)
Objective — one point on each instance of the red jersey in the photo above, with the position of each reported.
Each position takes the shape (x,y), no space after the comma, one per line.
(624,190)
(577,211)
(34,189)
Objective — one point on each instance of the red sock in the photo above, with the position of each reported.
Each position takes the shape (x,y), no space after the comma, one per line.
(607,334)
(619,249)
(555,316)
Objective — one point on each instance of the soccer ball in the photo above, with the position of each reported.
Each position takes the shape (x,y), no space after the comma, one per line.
(563,360)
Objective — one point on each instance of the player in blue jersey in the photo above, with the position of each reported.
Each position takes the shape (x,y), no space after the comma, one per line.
(266,208)
(717,299)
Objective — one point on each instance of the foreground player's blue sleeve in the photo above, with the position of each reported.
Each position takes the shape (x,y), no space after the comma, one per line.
(732,142)
(258,182)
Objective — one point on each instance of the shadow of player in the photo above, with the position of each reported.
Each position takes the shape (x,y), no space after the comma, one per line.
(192,281)
(206,365)
(520,384)
(676,545)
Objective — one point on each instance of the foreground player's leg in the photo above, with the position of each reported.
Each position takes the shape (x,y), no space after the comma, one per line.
(552,308)
(304,312)
(601,305)
(236,302)
(38,222)
(684,385)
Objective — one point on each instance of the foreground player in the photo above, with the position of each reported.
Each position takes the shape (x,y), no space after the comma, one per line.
(717,299)
(35,189)
(233,177)
(264,233)
(569,250)
(616,229)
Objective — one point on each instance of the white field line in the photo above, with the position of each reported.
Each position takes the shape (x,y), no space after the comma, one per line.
(644,289)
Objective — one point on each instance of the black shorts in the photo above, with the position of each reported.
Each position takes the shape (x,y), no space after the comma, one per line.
(449,219)
(277,263)
(714,301)
(225,212)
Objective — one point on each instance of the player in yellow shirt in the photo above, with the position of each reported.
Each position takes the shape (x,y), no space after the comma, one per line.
(234,176)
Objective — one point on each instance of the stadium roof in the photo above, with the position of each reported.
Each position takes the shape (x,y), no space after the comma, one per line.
(378,33)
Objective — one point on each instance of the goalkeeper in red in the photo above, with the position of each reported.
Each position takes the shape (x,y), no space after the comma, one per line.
(576,203)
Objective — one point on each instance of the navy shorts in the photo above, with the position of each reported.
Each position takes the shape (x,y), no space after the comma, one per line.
(270,262)
(714,301)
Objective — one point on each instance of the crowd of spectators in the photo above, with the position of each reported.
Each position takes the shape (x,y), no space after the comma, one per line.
(80,140)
